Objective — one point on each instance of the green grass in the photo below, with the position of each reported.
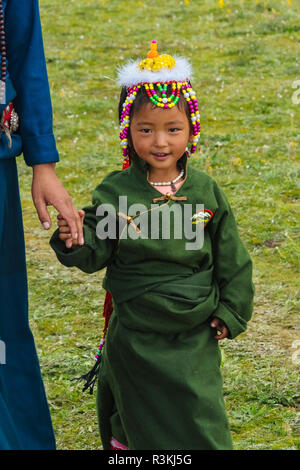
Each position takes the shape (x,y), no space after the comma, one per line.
(245,61)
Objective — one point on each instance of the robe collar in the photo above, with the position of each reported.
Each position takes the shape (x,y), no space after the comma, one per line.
(138,171)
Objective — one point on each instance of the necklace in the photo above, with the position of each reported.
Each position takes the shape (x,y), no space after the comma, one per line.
(3,55)
(169,183)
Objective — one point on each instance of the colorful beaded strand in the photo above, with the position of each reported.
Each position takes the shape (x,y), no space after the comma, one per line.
(191,99)
(164,102)
(3,55)
(102,342)
(124,124)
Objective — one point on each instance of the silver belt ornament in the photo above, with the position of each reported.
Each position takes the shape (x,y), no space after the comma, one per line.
(9,122)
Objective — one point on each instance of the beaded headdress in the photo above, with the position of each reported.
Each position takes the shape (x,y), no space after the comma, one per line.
(155,73)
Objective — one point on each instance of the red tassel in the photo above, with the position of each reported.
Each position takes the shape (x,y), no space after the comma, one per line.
(126,163)
(107,309)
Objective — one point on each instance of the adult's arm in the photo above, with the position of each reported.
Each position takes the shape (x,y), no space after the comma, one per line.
(28,72)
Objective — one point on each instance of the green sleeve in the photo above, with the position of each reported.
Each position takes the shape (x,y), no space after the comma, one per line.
(96,253)
(232,268)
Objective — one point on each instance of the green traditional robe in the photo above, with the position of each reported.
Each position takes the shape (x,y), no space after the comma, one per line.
(160,385)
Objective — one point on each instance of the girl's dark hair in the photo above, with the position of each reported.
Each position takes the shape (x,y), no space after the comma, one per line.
(142,99)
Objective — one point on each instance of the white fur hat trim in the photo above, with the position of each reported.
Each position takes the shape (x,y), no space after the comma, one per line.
(130,74)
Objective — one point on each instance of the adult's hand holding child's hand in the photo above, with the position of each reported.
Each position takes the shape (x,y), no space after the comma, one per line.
(65,231)
(47,190)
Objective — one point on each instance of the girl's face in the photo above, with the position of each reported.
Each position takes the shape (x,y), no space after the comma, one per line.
(160,136)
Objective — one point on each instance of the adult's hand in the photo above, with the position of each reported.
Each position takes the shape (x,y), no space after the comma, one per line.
(47,190)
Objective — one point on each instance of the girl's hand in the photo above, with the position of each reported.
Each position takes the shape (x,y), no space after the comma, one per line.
(65,231)
(219,325)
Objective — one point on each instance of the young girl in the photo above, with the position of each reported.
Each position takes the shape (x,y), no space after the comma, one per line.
(159,384)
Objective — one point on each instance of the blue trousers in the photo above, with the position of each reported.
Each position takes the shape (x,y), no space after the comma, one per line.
(25,422)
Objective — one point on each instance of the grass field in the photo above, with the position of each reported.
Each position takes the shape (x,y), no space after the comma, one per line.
(245,56)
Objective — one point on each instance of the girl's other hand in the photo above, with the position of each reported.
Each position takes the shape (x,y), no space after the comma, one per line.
(65,231)
(219,325)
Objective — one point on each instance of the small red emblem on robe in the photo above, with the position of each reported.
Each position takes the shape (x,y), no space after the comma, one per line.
(202,217)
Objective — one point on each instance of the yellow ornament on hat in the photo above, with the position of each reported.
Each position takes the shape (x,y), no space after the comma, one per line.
(156,62)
